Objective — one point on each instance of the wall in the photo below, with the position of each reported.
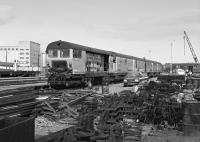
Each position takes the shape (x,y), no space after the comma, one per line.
(24,53)
(11,51)
(34,54)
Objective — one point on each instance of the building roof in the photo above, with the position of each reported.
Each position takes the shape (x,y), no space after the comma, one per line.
(8,46)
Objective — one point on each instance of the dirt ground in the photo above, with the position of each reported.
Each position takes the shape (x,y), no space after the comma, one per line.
(115,88)
(169,136)
(166,135)
(112,88)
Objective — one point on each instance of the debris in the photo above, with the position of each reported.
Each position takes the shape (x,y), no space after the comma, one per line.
(41,121)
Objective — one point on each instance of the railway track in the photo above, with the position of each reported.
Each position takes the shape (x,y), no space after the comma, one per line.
(21,80)
(27,101)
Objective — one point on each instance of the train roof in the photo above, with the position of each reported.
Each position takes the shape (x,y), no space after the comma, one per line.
(63,45)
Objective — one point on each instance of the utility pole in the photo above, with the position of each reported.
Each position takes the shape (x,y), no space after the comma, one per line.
(38,62)
(6,57)
(171,45)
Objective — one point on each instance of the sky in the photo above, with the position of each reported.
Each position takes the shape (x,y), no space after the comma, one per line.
(143,28)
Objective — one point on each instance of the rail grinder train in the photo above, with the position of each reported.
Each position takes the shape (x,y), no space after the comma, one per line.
(71,63)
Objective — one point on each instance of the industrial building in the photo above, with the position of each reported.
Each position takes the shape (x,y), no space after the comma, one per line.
(25,55)
(192,67)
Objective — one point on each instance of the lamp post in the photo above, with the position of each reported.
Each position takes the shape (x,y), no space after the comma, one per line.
(6,57)
(38,62)
(171,45)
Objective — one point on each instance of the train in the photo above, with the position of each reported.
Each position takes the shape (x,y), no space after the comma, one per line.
(70,63)
(8,69)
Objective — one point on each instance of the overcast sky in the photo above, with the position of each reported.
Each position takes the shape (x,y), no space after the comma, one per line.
(142,28)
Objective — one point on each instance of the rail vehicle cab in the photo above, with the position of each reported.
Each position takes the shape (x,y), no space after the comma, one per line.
(59,60)
(67,59)
(59,65)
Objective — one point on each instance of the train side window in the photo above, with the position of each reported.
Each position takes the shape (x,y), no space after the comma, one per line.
(114,59)
(53,53)
(125,61)
(64,53)
(77,53)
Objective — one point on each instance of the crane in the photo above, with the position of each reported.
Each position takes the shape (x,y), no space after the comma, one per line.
(191,48)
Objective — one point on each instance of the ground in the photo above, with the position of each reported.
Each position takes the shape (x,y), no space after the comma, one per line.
(169,136)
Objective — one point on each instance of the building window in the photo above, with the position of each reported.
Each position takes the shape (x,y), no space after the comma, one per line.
(27,49)
(76,53)
(64,53)
(21,49)
(53,53)
(21,53)
(27,53)
(21,57)
(27,57)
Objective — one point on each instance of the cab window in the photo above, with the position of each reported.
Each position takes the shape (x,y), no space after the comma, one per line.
(76,53)
(64,53)
(53,53)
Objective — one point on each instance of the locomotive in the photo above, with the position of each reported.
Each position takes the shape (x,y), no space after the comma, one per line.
(71,63)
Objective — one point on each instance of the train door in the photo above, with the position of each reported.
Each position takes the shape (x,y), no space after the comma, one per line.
(79,59)
(106,63)
(115,64)
(112,64)
(130,65)
(134,65)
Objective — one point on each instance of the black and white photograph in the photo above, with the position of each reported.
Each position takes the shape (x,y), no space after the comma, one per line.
(99,70)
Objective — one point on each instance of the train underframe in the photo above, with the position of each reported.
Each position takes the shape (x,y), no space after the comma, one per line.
(89,79)
(64,80)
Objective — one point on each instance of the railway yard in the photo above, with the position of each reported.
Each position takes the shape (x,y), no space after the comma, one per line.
(100,71)
(93,95)
(155,110)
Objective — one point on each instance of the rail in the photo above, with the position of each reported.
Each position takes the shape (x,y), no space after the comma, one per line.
(21,80)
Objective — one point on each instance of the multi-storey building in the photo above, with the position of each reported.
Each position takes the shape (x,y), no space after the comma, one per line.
(9,53)
(25,54)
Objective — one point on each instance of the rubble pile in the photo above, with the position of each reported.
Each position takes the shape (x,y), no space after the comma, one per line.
(60,111)
(158,106)
(118,117)
(59,105)
(153,103)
